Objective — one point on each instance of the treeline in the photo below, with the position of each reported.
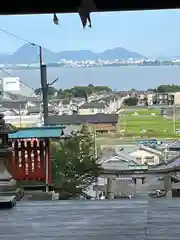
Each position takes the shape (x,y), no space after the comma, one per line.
(76,91)
(166,88)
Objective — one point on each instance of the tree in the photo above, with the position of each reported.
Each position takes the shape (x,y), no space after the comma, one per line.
(74,164)
(166,88)
(38,91)
(51,91)
(132,101)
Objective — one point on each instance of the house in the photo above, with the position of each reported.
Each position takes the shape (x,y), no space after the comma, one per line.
(163,99)
(146,155)
(101,123)
(112,102)
(176,98)
(15,105)
(39,109)
(150,98)
(142,99)
(92,108)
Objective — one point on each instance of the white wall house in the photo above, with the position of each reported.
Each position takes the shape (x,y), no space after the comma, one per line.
(146,155)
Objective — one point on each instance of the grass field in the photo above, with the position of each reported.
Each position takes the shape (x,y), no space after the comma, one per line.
(147,122)
(141,111)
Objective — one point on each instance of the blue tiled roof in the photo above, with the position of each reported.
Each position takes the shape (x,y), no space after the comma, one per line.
(37,132)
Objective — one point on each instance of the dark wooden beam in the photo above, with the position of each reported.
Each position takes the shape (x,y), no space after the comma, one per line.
(71,6)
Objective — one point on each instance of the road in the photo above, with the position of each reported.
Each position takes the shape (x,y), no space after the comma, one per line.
(92,220)
(126,141)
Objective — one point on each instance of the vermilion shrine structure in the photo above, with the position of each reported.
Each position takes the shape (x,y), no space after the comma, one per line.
(31,158)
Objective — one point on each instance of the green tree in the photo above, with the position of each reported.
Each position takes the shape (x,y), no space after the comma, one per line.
(166,88)
(82,91)
(38,91)
(51,91)
(132,101)
(102,88)
(74,164)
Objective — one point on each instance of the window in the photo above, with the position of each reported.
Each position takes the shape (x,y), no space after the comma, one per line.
(149,157)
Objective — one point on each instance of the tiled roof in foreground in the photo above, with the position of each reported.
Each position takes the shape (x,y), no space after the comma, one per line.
(74,220)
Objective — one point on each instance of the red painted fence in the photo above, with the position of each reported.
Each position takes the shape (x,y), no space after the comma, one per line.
(29,159)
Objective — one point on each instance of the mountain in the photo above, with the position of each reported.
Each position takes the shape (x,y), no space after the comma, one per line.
(30,54)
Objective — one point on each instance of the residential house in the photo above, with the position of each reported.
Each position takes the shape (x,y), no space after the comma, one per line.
(176,98)
(101,123)
(39,109)
(92,108)
(142,99)
(15,105)
(150,98)
(146,155)
(163,99)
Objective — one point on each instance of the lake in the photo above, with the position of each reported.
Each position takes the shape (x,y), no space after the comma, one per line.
(92,220)
(122,78)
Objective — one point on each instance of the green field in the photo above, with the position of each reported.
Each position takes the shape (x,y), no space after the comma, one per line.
(145,122)
(141,111)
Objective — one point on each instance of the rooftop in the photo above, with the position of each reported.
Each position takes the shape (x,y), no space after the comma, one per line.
(93,105)
(82,119)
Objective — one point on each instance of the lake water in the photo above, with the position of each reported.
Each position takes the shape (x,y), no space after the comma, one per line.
(122,78)
(92,220)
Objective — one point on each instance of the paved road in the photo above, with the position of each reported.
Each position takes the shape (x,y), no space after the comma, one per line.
(126,141)
(92,220)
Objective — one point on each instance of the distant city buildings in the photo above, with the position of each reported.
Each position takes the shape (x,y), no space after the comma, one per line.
(97,63)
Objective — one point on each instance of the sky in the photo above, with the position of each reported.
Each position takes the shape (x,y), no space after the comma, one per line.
(150,33)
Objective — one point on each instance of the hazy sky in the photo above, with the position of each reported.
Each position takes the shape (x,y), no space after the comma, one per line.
(151,33)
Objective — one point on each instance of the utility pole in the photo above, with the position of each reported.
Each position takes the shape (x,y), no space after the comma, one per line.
(174,118)
(95,143)
(44,86)
(96,156)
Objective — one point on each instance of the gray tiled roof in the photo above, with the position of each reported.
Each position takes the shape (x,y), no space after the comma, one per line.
(13,104)
(82,119)
(174,145)
(77,220)
(37,109)
(93,105)
(175,163)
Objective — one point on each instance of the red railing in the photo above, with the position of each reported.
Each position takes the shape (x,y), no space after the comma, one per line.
(29,160)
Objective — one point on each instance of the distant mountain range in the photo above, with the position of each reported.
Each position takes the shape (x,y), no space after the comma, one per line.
(28,54)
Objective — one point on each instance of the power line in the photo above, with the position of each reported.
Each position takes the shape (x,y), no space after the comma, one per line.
(24,40)
(18,37)
(10,74)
